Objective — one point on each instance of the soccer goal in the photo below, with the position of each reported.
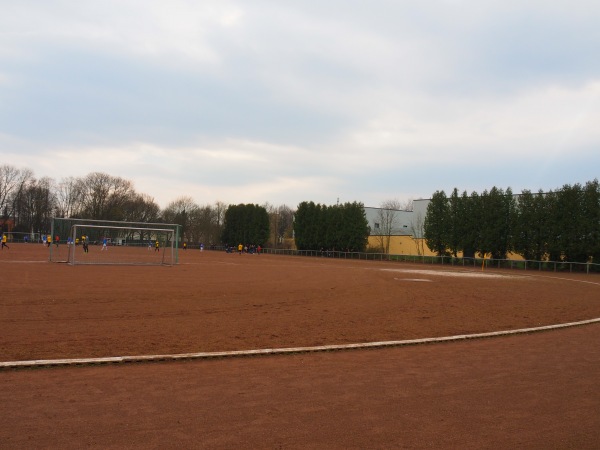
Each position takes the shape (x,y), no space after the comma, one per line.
(79,241)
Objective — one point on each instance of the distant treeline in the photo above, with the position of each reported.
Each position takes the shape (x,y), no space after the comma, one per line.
(338,227)
(28,204)
(559,225)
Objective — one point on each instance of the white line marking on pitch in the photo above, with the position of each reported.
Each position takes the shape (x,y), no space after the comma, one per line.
(564,279)
(278,351)
(449,273)
(412,279)
(23,261)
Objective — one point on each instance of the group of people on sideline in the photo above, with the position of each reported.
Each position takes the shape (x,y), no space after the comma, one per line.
(184,246)
(241,248)
(47,240)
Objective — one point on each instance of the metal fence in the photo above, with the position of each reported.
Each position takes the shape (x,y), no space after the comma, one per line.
(16,237)
(549,266)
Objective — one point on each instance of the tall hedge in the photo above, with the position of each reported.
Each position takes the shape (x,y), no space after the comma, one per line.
(338,227)
(436,224)
(245,224)
(560,225)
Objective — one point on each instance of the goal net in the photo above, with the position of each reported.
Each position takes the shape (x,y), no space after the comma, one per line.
(78,241)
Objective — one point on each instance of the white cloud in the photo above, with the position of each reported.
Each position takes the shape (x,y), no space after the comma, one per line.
(268,101)
(178,31)
(529,123)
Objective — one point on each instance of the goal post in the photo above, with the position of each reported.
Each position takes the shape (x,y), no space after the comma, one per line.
(82,241)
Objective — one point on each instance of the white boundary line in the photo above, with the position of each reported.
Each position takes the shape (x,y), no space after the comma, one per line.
(276,351)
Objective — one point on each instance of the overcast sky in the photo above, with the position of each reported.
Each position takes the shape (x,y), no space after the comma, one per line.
(285,101)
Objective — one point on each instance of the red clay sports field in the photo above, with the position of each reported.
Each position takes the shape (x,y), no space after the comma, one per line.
(70,336)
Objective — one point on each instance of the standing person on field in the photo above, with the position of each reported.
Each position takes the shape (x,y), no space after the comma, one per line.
(4,239)
(185,245)
(156,246)
(103,245)
(49,240)
(240,248)
(56,240)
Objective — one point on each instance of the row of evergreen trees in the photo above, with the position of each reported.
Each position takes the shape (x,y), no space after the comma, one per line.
(245,224)
(337,227)
(560,225)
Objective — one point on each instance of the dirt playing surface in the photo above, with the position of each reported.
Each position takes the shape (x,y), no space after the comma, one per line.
(532,391)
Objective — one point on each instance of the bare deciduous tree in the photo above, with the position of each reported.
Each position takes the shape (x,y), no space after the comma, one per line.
(142,208)
(407,205)
(181,211)
(103,196)
(68,197)
(281,223)
(12,182)
(387,217)
(418,232)
(34,205)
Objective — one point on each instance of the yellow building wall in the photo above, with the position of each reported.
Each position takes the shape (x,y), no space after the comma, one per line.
(402,245)
(407,245)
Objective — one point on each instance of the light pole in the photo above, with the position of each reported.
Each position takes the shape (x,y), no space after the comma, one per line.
(276,234)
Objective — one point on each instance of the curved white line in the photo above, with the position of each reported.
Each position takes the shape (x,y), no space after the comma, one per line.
(277,351)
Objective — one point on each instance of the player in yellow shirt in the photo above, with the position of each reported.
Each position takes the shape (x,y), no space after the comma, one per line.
(4,239)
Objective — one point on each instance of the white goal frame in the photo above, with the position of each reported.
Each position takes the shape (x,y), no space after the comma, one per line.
(167,255)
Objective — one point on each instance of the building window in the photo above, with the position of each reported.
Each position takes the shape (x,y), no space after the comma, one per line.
(376,226)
